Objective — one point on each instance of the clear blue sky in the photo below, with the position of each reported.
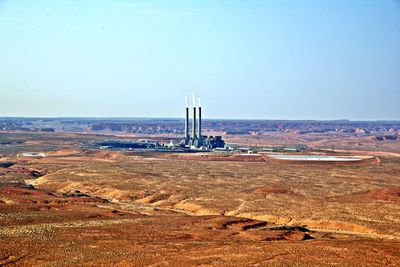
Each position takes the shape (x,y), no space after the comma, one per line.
(246,59)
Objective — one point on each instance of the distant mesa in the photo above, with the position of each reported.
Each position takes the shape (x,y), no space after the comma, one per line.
(362,131)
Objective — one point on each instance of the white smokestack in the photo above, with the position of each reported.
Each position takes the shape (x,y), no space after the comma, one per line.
(194,119)
(187,122)
(199,137)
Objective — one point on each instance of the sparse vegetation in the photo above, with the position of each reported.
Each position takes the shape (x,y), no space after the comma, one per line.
(124,206)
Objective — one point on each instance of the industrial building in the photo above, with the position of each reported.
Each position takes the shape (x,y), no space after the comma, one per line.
(192,142)
(197,140)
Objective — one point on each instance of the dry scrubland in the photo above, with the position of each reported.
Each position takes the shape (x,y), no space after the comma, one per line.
(92,207)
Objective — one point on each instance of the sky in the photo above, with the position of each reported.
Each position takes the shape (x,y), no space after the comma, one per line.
(331,59)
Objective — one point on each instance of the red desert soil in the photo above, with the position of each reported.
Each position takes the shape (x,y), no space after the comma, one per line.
(363,162)
(45,229)
(234,158)
(386,194)
(272,190)
(80,207)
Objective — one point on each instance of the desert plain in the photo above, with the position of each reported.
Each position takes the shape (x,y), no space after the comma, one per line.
(79,205)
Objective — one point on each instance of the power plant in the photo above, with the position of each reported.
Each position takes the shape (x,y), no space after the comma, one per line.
(198,140)
(192,142)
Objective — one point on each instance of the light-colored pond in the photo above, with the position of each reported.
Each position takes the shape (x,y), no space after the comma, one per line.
(318,157)
(33,154)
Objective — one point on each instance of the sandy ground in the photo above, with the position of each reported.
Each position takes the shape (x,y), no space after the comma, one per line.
(101,208)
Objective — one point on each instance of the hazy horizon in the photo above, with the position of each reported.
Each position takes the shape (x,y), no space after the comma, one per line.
(182,118)
(277,60)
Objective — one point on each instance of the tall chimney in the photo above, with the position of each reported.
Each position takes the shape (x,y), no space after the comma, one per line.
(199,126)
(194,120)
(187,123)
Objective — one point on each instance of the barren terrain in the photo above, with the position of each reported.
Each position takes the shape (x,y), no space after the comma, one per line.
(85,206)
